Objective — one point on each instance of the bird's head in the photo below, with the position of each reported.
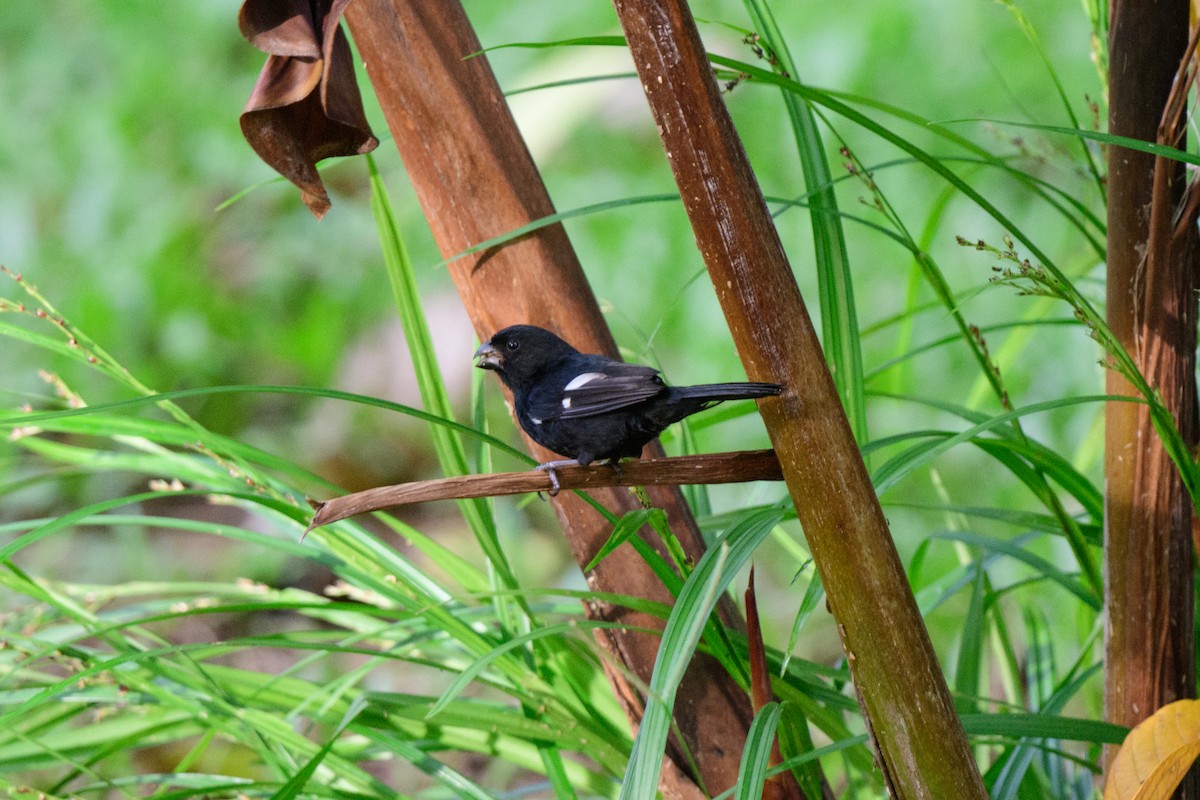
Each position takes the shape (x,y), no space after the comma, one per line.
(519,353)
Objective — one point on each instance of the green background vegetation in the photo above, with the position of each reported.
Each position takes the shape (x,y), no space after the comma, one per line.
(119,142)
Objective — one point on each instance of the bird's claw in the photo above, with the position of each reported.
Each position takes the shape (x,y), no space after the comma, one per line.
(549,468)
(553,476)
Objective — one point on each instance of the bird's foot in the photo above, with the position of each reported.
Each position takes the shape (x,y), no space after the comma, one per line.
(549,468)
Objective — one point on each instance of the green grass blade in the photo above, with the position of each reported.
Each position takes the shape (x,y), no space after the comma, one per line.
(448,446)
(894,470)
(970,648)
(752,772)
(1046,726)
(688,619)
(537,224)
(839,317)
(1031,34)
(627,526)
(813,595)
(1108,139)
(1041,565)
(299,780)
(11,419)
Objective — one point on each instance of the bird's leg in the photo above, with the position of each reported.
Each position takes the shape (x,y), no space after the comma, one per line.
(549,467)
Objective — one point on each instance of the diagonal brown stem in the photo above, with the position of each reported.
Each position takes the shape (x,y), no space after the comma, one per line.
(919,740)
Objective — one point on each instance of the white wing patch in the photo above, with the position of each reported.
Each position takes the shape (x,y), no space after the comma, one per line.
(592,393)
(580,380)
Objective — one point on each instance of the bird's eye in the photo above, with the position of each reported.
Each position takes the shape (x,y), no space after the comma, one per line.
(512,344)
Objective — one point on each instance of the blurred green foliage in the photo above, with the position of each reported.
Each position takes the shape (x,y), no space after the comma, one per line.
(120,139)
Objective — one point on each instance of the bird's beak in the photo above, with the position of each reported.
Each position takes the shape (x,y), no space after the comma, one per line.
(488,357)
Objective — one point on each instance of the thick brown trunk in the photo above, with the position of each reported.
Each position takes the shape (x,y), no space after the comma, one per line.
(475,180)
(1149,644)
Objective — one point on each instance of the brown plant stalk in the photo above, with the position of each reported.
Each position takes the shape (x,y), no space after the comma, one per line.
(1152,281)
(919,740)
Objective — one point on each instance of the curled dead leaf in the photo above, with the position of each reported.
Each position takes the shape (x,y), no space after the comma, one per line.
(305,105)
(1156,754)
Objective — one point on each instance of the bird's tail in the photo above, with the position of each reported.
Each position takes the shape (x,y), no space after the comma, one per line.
(686,400)
(716,392)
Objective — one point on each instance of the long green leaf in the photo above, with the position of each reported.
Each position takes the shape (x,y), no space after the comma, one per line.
(839,317)
(688,619)
(449,447)
(752,772)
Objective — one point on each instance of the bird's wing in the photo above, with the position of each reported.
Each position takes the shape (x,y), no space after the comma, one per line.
(609,387)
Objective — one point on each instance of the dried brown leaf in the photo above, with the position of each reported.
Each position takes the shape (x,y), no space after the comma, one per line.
(305,105)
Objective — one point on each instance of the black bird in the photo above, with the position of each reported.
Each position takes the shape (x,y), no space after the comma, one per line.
(590,407)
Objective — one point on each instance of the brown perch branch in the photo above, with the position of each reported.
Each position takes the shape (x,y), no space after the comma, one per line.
(751,465)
